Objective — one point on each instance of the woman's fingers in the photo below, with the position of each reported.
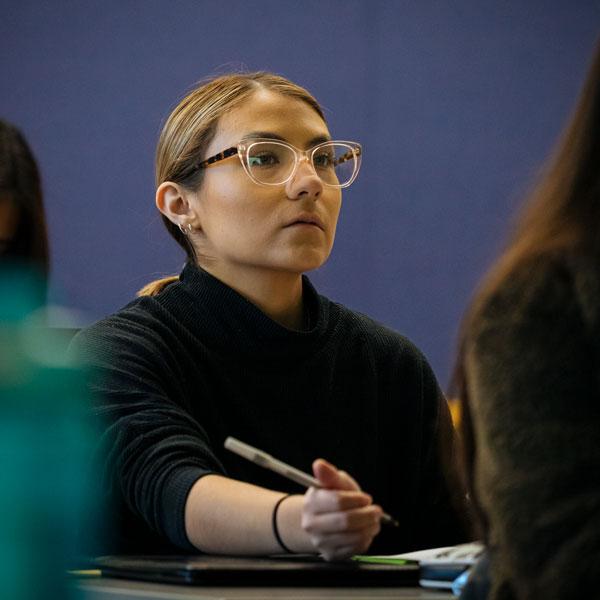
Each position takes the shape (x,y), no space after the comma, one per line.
(339,518)
(339,546)
(338,554)
(322,501)
(344,521)
(330,477)
(344,552)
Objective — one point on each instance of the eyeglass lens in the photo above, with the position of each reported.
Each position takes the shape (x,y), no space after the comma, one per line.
(273,163)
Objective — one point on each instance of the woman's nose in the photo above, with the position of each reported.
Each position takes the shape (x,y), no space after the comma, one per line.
(304,181)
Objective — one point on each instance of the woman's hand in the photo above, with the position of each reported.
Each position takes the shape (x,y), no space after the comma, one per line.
(339,518)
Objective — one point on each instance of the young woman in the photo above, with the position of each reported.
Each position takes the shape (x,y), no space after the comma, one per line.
(528,376)
(23,236)
(249,183)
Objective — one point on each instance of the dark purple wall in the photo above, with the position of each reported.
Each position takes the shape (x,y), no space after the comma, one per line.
(456,103)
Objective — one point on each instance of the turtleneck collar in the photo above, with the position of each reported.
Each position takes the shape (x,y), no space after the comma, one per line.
(221,316)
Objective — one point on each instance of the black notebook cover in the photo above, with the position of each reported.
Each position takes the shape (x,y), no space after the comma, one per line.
(247,571)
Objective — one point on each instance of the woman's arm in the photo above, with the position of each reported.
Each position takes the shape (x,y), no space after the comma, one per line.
(225,516)
(159,460)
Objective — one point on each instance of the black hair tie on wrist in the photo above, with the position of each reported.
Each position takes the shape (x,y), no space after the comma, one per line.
(275,529)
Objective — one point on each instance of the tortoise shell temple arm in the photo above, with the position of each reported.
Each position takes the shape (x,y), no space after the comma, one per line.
(217,157)
(348,156)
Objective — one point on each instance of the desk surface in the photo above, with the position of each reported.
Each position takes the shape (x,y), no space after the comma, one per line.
(124,589)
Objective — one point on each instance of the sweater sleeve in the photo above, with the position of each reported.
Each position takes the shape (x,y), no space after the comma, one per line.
(442,517)
(534,403)
(152,448)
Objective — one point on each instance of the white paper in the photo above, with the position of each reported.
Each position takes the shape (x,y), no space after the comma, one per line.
(463,554)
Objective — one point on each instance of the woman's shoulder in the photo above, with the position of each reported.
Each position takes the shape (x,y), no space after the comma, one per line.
(380,337)
(397,361)
(138,325)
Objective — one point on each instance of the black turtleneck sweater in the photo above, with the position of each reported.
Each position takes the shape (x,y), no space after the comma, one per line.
(179,372)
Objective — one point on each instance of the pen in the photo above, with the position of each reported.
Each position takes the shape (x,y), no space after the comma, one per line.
(258,457)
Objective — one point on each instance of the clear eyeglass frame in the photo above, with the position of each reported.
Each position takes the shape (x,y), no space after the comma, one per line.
(243,150)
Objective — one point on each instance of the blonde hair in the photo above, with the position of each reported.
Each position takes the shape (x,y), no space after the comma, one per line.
(191,127)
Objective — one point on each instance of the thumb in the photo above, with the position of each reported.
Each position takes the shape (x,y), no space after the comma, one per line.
(331,478)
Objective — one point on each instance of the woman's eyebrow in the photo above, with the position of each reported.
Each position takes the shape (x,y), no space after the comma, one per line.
(262,134)
(274,136)
(319,139)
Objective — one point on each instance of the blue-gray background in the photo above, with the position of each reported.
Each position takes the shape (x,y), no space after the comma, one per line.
(456,102)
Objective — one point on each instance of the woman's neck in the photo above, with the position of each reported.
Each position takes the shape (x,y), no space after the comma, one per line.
(277,293)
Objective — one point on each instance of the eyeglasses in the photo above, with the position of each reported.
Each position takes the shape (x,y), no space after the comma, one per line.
(274,162)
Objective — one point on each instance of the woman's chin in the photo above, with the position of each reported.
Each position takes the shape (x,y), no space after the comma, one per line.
(307,262)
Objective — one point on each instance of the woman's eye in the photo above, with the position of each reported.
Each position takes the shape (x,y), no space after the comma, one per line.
(323,160)
(264,159)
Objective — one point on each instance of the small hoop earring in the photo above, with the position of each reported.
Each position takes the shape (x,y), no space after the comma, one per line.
(186,229)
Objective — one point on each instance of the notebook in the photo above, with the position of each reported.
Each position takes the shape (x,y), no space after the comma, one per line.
(296,570)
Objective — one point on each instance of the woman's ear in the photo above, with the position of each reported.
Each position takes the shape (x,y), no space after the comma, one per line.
(174,202)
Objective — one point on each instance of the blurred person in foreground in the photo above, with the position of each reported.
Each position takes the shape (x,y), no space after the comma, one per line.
(528,376)
(23,231)
(46,435)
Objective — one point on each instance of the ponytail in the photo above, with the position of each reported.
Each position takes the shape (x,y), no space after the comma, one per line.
(156,287)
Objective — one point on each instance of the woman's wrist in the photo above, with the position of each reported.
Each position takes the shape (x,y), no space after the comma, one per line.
(289,525)
(275,525)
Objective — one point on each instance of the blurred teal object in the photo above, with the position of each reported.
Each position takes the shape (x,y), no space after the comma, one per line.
(22,292)
(46,442)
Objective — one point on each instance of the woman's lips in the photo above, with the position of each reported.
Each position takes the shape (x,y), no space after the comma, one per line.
(307,220)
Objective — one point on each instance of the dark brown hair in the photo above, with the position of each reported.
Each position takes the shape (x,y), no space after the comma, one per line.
(20,179)
(192,125)
(561,214)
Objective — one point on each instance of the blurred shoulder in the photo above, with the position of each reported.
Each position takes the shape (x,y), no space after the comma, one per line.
(548,293)
(548,280)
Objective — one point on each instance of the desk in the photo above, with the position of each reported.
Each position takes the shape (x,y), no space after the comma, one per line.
(125,589)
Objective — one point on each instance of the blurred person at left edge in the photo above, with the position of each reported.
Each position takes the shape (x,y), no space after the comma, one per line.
(23,230)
